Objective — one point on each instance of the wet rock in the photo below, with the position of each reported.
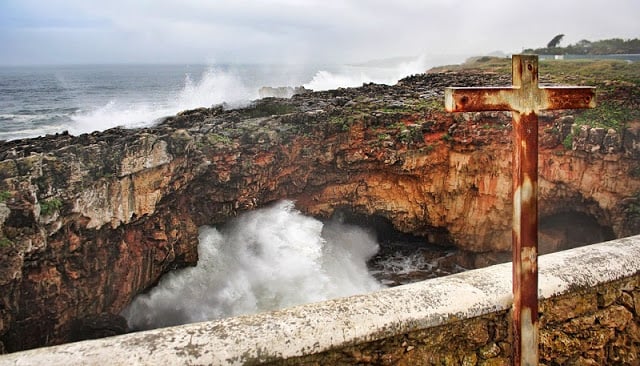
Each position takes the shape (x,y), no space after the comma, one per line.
(565,124)
(631,140)
(596,136)
(611,142)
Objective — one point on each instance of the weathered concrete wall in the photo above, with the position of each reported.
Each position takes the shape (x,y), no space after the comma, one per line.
(590,315)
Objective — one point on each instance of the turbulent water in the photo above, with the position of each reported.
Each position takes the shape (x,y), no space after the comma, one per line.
(39,100)
(266,259)
(276,257)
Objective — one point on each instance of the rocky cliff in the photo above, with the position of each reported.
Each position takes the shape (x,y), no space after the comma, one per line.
(88,222)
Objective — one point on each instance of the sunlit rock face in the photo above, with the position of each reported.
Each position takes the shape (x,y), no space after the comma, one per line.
(88,222)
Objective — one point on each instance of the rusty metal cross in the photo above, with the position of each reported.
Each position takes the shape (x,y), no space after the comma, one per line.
(524,99)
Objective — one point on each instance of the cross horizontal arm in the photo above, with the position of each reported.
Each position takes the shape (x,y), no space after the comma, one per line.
(477,99)
(570,97)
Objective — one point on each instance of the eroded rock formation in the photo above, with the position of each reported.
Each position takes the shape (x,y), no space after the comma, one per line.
(88,222)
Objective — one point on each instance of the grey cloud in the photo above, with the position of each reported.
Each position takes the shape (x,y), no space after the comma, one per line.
(303,31)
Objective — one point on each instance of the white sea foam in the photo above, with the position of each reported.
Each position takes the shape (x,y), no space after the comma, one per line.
(115,114)
(215,86)
(354,76)
(401,264)
(267,259)
(18,118)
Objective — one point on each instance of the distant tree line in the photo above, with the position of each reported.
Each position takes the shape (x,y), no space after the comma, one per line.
(612,46)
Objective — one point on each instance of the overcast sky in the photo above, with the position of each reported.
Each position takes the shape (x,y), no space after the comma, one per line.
(295,31)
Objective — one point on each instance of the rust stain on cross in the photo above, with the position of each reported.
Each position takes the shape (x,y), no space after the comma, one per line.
(525,98)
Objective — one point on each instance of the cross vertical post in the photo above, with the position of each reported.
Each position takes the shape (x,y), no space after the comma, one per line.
(524,99)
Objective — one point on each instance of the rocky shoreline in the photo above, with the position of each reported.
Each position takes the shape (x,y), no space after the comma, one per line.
(90,221)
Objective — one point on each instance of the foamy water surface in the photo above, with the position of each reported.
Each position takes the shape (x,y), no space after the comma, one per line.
(266,259)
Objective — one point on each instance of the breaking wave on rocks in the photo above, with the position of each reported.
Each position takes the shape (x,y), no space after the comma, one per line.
(86,98)
(266,259)
(215,86)
(354,76)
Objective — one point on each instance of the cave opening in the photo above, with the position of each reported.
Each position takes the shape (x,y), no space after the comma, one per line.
(570,229)
(556,232)
(404,257)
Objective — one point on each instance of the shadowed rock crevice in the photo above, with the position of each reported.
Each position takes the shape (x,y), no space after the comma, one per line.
(386,233)
(571,229)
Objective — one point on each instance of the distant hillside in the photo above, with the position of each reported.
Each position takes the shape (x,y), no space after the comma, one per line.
(614,46)
(604,74)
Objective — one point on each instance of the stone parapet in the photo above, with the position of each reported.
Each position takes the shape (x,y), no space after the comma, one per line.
(590,314)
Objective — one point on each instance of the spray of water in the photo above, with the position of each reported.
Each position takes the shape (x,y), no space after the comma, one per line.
(215,86)
(266,259)
(354,76)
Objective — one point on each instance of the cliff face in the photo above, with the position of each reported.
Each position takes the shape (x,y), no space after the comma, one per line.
(88,222)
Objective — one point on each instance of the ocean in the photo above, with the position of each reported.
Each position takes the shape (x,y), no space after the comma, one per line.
(40,100)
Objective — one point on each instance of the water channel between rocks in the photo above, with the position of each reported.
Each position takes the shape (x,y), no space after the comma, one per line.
(403,262)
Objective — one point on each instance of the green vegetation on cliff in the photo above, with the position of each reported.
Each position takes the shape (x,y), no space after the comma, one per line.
(614,46)
(50,206)
(617,83)
(600,73)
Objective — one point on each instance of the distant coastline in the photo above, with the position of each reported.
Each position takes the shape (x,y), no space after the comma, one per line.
(624,57)
(586,48)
